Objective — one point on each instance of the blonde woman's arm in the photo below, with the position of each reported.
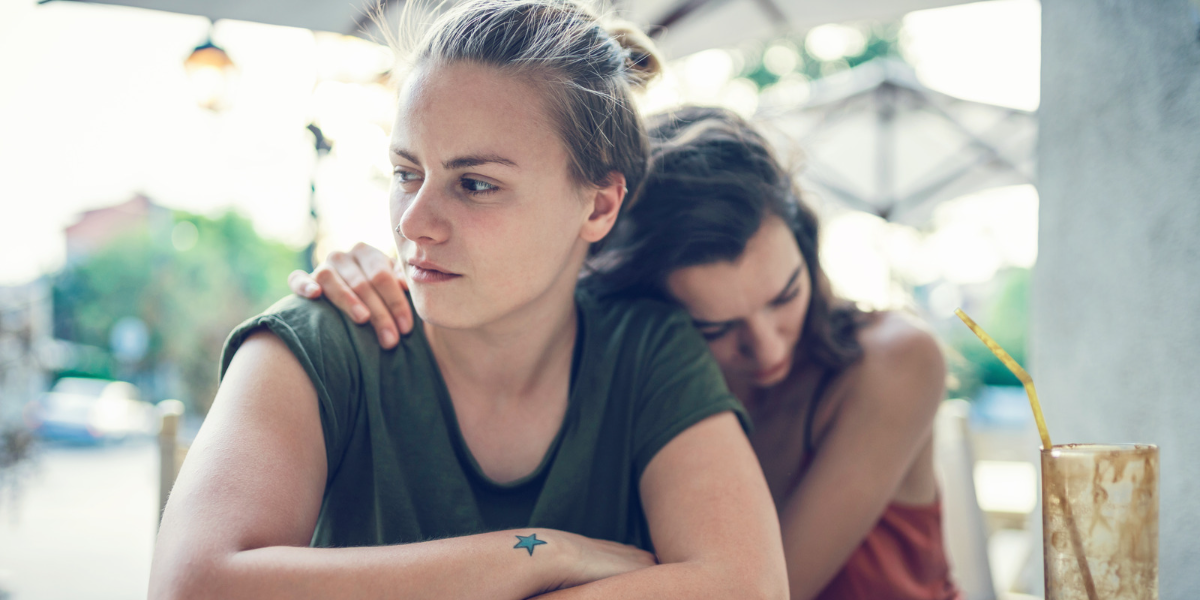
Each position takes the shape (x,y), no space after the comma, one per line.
(712,522)
(244,508)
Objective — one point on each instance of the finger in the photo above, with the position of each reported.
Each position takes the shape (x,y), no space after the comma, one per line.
(380,272)
(377,311)
(339,292)
(302,284)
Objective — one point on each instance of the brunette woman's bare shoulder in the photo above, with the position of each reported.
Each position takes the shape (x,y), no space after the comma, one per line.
(897,335)
(900,350)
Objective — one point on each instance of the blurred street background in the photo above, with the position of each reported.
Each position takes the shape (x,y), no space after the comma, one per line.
(164,172)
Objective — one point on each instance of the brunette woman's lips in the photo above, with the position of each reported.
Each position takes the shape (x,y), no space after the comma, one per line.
(427,272)
(772,371)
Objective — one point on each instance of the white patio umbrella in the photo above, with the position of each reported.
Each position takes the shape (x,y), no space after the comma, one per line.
(874,139)
(682,26)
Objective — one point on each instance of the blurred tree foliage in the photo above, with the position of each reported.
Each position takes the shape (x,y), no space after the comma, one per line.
(1006,319)
(882,41)
(190,296)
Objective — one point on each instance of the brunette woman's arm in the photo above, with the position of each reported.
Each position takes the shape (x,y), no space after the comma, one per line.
(244,508)
(712,521)
(880,430)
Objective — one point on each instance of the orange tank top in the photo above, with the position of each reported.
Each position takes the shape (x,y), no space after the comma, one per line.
(902,557)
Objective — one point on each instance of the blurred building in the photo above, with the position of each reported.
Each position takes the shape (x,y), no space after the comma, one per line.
(96,228)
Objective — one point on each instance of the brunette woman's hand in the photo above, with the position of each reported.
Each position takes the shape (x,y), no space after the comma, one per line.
(591,559)
(366,285)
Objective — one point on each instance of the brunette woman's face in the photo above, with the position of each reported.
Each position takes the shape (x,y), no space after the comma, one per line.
(750,310)
(489,220)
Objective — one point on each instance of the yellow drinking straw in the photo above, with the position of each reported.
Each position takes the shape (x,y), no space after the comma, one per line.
(1016,369)
(1076,541)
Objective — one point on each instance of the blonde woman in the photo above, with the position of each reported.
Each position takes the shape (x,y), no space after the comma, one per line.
(527,437)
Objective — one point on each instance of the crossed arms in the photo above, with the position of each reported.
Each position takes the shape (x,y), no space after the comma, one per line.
(243,510)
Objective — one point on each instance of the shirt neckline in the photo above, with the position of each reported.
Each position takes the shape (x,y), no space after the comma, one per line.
(580,358)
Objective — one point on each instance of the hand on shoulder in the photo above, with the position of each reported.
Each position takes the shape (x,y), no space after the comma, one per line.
(365,284)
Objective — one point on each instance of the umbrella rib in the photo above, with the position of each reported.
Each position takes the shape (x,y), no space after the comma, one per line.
(681,11)
(1008,117)
(972,138)
(916,199)
(829,175)
(774,13)
(847,196)
(829,117)
(986,152)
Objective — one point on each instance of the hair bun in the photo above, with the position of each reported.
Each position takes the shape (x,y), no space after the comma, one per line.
(642,61)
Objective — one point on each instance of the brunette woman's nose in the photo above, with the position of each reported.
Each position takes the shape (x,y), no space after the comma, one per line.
(762,343)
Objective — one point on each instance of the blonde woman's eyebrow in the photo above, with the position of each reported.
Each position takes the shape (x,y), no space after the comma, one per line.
(466,162)
(461,162)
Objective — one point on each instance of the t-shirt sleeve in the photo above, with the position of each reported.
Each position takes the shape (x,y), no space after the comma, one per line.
(681,385)
(323,341)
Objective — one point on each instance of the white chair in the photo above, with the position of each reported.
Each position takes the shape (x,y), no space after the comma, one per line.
(963,525)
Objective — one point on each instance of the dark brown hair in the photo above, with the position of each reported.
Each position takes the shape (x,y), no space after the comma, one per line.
(712,181)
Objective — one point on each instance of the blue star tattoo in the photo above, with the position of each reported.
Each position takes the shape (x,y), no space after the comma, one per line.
(528,542)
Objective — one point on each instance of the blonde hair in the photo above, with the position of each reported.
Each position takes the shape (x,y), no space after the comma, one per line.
(585,67)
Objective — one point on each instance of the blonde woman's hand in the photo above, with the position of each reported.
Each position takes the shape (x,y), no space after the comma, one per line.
(366,285)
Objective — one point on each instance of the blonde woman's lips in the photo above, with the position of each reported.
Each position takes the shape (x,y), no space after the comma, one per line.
(424,271)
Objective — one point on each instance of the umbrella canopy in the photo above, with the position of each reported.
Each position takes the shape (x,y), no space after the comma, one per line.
(874,139)
(682,26)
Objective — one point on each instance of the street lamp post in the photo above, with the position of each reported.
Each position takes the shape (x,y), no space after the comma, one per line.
(322,145)
(211,73)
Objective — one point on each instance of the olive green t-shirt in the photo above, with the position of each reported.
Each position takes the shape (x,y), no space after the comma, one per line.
(399,470)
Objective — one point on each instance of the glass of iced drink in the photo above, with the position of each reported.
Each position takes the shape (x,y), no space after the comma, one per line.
(1100,521)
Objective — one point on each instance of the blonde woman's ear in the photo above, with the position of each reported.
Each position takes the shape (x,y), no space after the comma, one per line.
(606,206)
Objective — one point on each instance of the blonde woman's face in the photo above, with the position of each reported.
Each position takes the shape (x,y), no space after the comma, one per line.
(487,216)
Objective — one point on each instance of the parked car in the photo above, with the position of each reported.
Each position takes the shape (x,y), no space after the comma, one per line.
(83,410)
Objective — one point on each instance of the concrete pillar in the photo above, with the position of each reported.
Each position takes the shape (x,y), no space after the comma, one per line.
(1115,341)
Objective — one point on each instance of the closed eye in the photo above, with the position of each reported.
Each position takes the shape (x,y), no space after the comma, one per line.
(714,331)
(786,297)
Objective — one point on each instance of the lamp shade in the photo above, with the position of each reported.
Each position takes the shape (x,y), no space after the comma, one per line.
(211,73)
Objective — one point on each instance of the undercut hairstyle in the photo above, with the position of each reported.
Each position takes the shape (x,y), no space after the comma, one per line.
(712,182)
(585,67)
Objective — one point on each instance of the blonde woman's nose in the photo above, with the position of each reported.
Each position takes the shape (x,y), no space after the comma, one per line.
(420,218)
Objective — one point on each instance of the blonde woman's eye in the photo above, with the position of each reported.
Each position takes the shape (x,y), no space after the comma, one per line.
(404,175)
(477,187)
